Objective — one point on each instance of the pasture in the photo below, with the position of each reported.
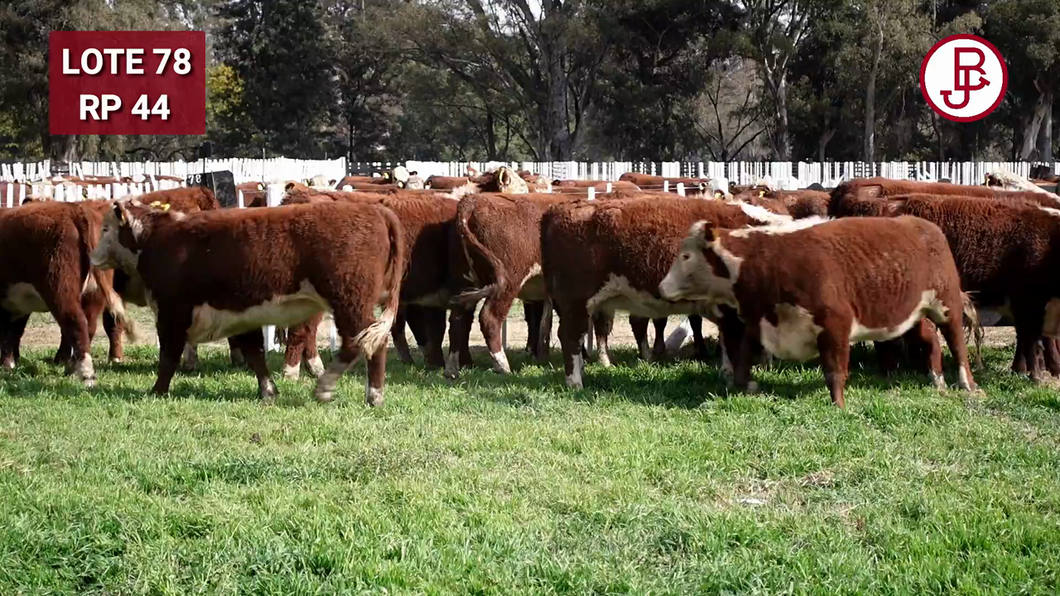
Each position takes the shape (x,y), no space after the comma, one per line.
(651,480)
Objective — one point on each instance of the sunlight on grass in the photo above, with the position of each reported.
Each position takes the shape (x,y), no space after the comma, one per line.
(650,480)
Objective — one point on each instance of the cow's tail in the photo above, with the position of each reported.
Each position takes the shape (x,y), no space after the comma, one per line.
(374,337)
(470,243)
(973,325)
(104,284)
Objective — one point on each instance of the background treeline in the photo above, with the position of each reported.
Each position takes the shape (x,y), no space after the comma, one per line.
(543,80)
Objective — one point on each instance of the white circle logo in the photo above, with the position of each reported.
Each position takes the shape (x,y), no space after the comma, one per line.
(963,78)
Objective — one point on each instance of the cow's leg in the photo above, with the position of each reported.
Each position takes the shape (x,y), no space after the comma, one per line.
(603,322)
(924,348)
(115,331)
(190,358)
(252,345)
(11,330)
(311,361)
(573,325)
(639,326)
(1051,353)
(953,333)
(699,345)
(1029,319)
(460,321)
(544,333)
(741,365)
(532,313)
(292,355)
(373,388)
(433,324)
(64,302)
(416,319)
(350,321)
(491,318)
(236,357)
(833,342)
(401,343)
(658,351)
(172,325)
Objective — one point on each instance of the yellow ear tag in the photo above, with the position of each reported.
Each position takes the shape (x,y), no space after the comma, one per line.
(761,193)
(166,207)
(156,204)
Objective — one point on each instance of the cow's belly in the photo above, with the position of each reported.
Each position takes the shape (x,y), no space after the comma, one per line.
(22,299)
(533,287)
(929,306)
(211,324)
(794,337)
(619,295)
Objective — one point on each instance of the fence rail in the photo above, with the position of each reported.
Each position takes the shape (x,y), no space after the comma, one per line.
(785,173)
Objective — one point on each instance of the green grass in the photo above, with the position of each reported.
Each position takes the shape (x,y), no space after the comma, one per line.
(649,481)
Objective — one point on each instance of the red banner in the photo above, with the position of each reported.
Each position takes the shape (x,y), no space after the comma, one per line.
(127,82)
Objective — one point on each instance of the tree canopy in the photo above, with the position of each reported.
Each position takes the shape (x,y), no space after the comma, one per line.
(558,79)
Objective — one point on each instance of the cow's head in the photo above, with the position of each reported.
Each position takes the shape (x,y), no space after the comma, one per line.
(126,227)
(508,182)
(702,270)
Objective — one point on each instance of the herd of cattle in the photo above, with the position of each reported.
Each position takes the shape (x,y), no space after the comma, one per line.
(792,274)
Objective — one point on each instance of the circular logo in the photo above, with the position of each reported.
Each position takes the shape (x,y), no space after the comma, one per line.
(963,78)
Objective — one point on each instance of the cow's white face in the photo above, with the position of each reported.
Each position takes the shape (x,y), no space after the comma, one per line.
(694,277)
(118,242)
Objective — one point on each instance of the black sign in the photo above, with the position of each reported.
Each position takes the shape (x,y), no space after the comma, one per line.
(223,185)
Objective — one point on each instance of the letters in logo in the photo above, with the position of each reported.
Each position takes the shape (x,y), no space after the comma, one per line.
(963,78)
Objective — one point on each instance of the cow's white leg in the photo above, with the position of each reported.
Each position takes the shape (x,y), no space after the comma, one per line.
(574,380)
(315,366)
(938,381)
(191,358)
(325,389)
(964,379)
(85,371)
(452,365)
(267,390)
(500,363)
(291,372)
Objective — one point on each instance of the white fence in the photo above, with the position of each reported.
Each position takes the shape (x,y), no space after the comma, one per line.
(793,174)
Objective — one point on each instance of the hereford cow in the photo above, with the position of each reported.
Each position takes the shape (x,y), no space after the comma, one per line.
(800,297)
(1004,251)
(496,256)
(446,182)
(535,183)
(581,187)
(427,221)
(280,267)
(603,256)
(46,268)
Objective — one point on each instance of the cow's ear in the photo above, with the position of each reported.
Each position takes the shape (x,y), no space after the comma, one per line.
(504,177)
(289,186)
(703,232)
(121,213)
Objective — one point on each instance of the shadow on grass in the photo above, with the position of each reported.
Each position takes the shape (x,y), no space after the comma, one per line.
(681,383)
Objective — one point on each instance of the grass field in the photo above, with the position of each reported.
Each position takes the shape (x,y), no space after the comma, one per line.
(649,481)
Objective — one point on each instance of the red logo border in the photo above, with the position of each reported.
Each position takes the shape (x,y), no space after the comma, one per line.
(1004,78)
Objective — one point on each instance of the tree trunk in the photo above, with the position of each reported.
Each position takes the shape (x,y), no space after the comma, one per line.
(822,143)
(491,137)
(64,149)
(558,131)
(781,136)
(1030,131)
(869,154)
(1045,131)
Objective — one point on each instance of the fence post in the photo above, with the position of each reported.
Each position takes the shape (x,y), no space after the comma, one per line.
(10,195)
(608,188)
(681,189)
(666,186)
(592,193)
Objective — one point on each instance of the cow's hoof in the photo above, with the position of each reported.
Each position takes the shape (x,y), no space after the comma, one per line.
(267,391)
(373,396)
(316,367)
(452,367)
(324,396)
(938,381)
(604,359)
(8,364)
(500,363)
(116,360)
(291,372)
(89,382)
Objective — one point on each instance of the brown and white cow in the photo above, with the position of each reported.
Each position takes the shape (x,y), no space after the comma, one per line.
(228,273)
(693,186)
(496,256)
(46,269)
(813,286)
(600,257)
(581,187)
(1007,250)
(427,220)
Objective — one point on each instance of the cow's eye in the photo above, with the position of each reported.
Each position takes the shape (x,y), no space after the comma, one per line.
(686,256)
